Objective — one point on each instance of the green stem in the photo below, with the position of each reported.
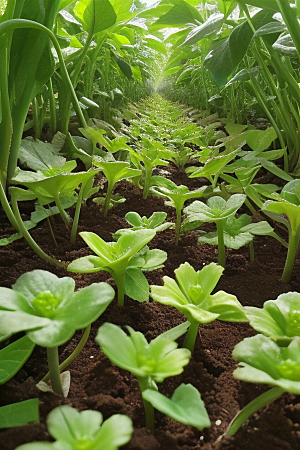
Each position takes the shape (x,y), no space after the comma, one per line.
(221,244)
(177,225)
(77,214)
(190,339)
(53,364)
(291,255)
(120,282)
(62,212)
(146,383)
(110,187)
(263,400)
(73,355)
(30,241)
(147,183)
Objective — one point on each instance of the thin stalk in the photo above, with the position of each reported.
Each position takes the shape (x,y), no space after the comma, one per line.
(53,364)
(120,282)
(177,225)
(291,255)
(263,400)
(190,338)
(51,231)
(147,183)
(73,355)
(65,217)
(30,241)
(144,384)
(52,108)
(221,244)
(110,187)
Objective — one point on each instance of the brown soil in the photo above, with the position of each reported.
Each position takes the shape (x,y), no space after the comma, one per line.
(96,384)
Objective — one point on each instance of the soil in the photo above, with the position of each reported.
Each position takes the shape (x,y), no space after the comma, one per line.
(97,384)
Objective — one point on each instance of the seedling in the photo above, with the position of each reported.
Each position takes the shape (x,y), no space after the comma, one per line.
(191,294)
(41,304)
(114,172)
(155,222)
(150,362)
(149,155)
(83,430)
(216,210)
(278,319)
(118,258)
(177,196)
(286,209)
(261,360)
(239,231)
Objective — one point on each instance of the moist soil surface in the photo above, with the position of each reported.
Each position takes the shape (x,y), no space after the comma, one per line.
(97,384)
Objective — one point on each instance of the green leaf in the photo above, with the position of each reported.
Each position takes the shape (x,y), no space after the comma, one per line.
(13,357)
(18,414)
(212,25)
(185,405)
(180,14)
(95,16)
(136,284)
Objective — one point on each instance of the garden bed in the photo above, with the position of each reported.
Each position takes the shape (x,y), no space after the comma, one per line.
(96,384)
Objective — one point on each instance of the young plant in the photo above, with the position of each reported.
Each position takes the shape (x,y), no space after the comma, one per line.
(115,171)
(149,155)
(41,304)
(150,362)
(155,222)
(191,295)
(216,210)
(177,196)
(261,360)
(83,430)
(239,231)
(122,260)
(278,319)
(286,209)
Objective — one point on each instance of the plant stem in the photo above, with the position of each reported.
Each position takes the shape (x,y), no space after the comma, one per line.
(190,339)
(146,383)
(110,187)
(62,212)
(263,400)
(53,364)
(120,282)
(147,182)
(30,241)
(221,244)
(177,225)
(73,355)
(291,255)
(77,214)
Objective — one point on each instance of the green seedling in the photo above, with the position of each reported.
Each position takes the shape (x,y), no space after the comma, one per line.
(285,208)
(185,405)
(41,304)
(150,362)
(96,137)
(122,260)
(155,222)
(85,430)
(115,171)
(261,360)
(148,156)
(177,196)
(216,210)
(191,295)
(278,319)
(239,232)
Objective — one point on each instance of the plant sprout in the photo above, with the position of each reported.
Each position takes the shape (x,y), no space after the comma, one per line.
(85,430)
(177,196)
(286,209)
(216,210)
(118,258)
(191,295)
(278,319)
(155,222)
(261,360)
(115,171)
(150,362)
(49,311)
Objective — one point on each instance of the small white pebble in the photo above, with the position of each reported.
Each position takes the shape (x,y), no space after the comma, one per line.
(218,422)
(201,438)
(203,264)
(92,357)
